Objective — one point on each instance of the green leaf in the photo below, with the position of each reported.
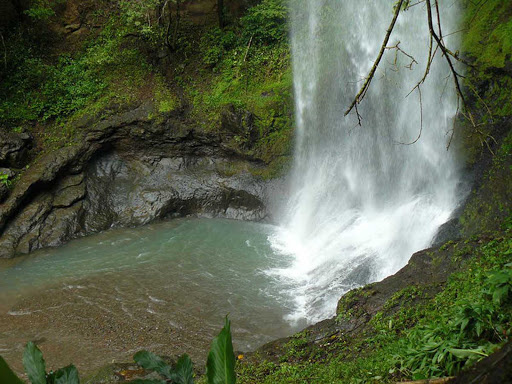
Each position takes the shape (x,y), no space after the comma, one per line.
(7,375)
(220,367)
(34,365)
(465,353)
(148,381)
(184,373)
(152,362)
(67,375)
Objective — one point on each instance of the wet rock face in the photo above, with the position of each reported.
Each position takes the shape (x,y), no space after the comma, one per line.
(131,191)
(127,171)
(14,149)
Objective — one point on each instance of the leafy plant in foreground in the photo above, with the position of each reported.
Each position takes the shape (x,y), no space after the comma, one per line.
(35,368)
(220,367)
(477,328)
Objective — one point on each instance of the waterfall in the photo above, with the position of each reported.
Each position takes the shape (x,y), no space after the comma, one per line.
(362,201)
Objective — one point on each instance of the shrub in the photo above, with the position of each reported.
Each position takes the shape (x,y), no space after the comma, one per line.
(266,22)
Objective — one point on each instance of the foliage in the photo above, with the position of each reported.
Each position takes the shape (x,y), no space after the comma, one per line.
(266,22)
(42,10)
(220,366)
(139,17)
(426,336)
(488,41)
(7,375)
(181,374)
(4,179)
(215,43)
(476,327)
(489,38)
(35,368)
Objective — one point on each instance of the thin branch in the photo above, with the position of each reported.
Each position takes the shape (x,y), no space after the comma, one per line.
(446,54)
(412,5)
(5,50)
(427,68)
(162,11)
(248,46)
(398,49)
(359,117)
(458,31)
(421,119)
(362,92)
(439,21)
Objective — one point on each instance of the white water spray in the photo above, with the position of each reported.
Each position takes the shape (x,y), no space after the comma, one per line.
(361,201)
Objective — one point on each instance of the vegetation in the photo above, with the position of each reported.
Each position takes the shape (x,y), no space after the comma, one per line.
(220,367)
(424,338)
(4,179)
(488,42)
(243,69)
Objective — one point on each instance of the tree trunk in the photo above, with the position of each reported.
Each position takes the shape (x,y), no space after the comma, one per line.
(220,12)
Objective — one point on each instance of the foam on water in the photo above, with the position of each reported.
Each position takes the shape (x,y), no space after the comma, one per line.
(361,201)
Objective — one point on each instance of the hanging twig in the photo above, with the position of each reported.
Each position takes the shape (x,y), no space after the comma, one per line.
(431,56)
(482,100)
(455,75)
(439,22)
(398,49)
(362,92)
(421,120)
(412,5)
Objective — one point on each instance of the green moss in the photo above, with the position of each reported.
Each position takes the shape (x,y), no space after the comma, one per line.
(492,203)
(488,42)
(348,304)
(489,37)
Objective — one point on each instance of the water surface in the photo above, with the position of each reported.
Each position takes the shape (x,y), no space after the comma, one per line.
(165,287)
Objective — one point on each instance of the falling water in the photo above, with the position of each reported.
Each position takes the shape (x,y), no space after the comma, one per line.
(362,200)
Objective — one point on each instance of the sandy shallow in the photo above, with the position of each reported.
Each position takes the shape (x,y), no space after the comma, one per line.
(70,328)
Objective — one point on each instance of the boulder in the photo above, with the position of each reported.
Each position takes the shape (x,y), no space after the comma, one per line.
(15,149)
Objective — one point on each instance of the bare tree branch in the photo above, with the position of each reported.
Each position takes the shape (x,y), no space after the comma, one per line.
(455,75)
(362,92)
(398,49)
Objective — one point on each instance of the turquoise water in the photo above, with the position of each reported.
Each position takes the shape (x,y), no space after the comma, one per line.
(165,287)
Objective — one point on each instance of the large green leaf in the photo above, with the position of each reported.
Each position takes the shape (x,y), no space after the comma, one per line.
(34,364)
(67,375)
(183,372)
(220,367)
(7,376)
(152,362)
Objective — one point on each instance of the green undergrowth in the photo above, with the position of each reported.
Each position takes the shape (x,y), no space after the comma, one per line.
(245,68)
(487,40)
(47,85)
(47,93)
(416,335)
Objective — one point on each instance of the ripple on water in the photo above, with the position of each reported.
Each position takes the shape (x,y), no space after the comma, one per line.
(167,285)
